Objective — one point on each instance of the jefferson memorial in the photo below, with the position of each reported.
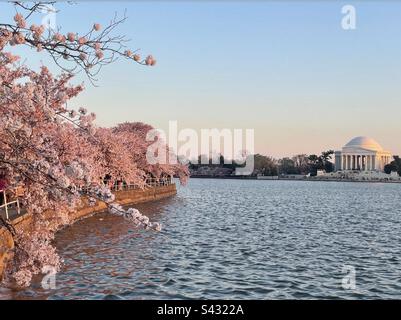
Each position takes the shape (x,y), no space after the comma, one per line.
(363,154)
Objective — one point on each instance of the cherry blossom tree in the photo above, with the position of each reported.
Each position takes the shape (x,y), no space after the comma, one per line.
(59,156)
(57,153)
(31,155)
(139,148)
(112,156)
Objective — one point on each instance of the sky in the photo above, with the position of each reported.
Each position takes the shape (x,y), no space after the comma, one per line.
(285,69)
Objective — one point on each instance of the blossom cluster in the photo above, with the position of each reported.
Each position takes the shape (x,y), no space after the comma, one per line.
(71,51)
(134,216)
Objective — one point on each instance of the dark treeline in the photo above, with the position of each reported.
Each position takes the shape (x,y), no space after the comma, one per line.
(268,166)
(395,165)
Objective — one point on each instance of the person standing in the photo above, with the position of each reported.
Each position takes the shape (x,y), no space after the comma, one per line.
(3,186)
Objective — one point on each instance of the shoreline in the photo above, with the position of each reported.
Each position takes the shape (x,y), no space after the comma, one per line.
(124,197)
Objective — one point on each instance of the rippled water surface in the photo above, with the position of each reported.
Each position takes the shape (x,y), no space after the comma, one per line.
(234,239)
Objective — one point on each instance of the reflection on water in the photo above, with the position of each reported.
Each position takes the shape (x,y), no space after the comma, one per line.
(241,240)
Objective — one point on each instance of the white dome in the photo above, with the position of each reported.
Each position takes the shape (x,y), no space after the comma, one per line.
(364,143)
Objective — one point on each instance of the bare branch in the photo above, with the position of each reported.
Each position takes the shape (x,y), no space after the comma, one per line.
(71,52)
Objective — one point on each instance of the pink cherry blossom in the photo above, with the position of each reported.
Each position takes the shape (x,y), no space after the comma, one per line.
(59,37)
(37,31)
(71,36)
(128,53)
(97,26)
(82,40)
(18,38)
(19,19)
(150,61)
(99,54)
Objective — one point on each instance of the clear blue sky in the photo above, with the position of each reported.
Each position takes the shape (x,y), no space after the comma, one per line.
(288,70)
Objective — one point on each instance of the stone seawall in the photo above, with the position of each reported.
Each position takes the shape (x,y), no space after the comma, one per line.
(127,197)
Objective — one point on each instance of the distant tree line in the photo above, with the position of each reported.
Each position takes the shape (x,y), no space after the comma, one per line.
(395,165)
(268,166)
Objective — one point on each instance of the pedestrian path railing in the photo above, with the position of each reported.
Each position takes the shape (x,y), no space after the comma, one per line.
(150,182)
(9,202)
(10,205)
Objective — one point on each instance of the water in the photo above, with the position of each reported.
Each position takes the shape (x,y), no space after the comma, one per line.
(234,239)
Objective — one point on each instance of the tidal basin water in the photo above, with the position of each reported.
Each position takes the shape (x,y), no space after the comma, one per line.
(236,239)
